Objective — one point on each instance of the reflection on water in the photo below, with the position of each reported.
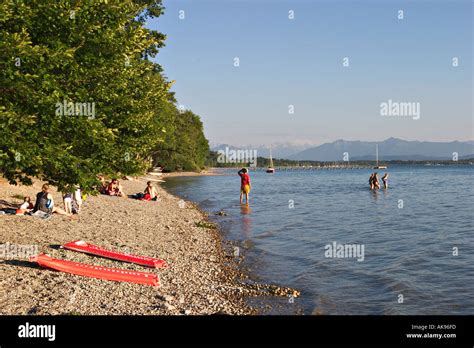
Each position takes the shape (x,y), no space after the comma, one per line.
(245,209)
(246,221)
(408,231)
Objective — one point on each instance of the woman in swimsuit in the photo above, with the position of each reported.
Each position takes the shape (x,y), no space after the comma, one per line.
(114,188)
(376,182)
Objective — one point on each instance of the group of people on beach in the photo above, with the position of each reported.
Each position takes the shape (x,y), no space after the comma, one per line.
(114,188)
(45,205)
(374,181)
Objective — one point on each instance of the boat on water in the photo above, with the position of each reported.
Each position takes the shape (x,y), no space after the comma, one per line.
(377,158)
(270,168)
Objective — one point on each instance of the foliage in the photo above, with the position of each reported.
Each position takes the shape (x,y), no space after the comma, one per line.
(94,53)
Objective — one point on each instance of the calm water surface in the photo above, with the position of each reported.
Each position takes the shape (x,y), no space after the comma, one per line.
(408,233)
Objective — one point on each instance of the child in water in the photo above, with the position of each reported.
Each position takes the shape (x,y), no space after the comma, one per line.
(244,185)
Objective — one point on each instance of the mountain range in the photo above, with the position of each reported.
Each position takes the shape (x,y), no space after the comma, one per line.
(389,149)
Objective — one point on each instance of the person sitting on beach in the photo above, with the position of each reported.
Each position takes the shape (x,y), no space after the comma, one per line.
(244,185)
(376,182)
(385,181)
(45,203)
(103,185)
(114,188)
(150,192)
(26,206)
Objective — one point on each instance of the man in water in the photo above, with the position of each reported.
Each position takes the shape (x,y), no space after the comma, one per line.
(244,185)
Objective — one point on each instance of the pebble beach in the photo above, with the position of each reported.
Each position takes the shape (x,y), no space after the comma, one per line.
(203,276)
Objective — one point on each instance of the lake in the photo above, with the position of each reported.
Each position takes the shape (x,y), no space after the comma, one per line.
(405,250)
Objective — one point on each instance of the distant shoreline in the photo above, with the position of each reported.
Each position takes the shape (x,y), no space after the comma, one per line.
(207,172)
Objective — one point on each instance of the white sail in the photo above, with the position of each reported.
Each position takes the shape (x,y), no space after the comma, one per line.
(270,168)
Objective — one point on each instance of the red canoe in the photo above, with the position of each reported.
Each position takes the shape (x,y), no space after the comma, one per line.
(81,246)
(93,271)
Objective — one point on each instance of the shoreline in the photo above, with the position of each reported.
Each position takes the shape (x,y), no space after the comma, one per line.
(207,172)
(203,277)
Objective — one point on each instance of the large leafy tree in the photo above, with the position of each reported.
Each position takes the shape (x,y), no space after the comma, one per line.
(95,53)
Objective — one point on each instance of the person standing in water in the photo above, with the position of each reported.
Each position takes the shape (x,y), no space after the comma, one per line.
(376,182)
(385,181)
(371,181)
(244,185)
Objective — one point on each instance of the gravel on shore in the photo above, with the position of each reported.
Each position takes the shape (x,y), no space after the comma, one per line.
(199,279)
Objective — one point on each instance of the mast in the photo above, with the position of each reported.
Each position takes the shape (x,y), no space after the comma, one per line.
(271,159)
(377,153)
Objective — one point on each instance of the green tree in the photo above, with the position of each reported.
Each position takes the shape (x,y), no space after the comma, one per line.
(92,53)
(186,148)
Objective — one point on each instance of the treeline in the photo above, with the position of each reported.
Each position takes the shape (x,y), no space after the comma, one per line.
(79,95)
(263,162)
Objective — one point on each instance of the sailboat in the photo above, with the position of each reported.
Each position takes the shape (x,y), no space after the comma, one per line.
(270,168)
(377,157)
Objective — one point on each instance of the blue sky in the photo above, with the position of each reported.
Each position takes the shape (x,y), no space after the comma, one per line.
(299,62)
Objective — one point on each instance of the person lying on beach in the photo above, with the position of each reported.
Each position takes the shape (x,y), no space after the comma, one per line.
(244,185)
(114,188)
(385,181)
(45,203)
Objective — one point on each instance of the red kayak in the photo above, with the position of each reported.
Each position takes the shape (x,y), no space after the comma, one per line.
(87,248)
(94,271)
